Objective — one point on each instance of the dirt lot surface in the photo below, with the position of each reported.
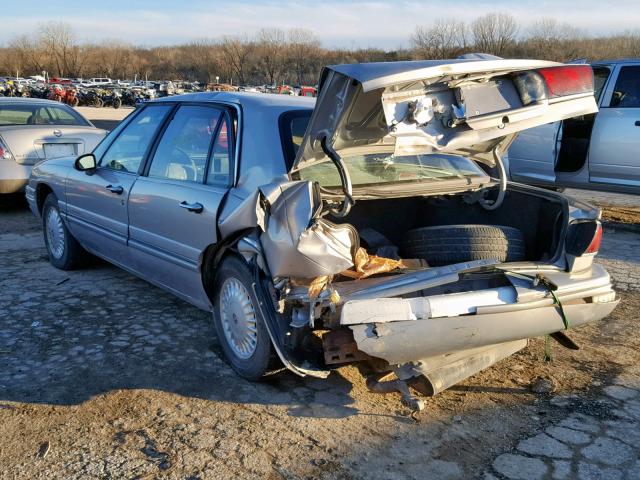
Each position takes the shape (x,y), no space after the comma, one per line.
(106,376)
(113,378)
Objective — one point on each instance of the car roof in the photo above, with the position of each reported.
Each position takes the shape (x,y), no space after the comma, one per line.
(616,61)
(246,99)
(31,101)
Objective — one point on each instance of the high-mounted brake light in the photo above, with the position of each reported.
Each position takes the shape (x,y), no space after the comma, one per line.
(567,80)
(594,246)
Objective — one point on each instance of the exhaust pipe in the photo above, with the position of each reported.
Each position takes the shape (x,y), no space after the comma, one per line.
(432,375)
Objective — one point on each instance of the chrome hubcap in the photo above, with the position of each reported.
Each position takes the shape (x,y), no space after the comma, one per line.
(238,318)
(55,233)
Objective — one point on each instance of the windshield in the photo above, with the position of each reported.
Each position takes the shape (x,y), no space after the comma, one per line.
(39,114)
(376,168)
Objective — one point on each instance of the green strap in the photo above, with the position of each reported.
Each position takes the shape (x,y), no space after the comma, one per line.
(547,348)
(557,301)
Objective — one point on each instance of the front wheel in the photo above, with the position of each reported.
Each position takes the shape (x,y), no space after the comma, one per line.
(238,321)
(64,250)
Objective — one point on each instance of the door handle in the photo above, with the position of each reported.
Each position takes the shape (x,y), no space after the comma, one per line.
(117,189)
(192,207)
(637,124)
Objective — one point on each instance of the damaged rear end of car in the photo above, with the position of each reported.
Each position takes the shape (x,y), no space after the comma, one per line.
(391,246)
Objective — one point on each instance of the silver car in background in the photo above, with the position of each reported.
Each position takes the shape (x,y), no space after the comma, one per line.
(361,228)
(32,130)
(599,151)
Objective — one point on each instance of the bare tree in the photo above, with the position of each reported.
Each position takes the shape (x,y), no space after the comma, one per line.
(236,51)
(494,32)
(59,42)
(445,38)
(303,52)
(271,46)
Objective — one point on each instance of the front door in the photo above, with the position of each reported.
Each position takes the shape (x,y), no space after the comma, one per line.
(97,201)
(615,140)
(173,207)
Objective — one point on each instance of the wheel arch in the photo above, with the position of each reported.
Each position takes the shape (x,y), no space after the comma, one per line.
(213,255)
(42,192)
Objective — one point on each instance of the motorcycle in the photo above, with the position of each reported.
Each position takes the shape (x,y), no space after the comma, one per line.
(112,98)
(90,98)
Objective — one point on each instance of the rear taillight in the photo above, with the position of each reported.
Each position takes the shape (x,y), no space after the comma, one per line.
(550,83)
(5,153)
(583,238)
(567,80)
(594,246)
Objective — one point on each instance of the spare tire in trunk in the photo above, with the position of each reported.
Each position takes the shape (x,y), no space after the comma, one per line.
(448,244)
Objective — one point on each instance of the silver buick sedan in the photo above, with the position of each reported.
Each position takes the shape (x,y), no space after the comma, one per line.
(361,228)
(32,130)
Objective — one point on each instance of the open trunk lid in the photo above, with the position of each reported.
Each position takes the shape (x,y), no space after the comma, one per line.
(460,107)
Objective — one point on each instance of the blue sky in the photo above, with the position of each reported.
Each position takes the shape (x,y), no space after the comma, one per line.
(345,23)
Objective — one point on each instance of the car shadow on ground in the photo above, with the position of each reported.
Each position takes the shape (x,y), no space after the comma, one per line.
(69,336)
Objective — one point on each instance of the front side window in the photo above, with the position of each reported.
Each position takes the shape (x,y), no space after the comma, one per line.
(184,148)
(128,149)
(626,93)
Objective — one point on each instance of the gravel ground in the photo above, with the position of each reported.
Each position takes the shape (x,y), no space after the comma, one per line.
(106,376)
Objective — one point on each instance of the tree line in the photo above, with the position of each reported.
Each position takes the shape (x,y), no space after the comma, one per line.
(295,56)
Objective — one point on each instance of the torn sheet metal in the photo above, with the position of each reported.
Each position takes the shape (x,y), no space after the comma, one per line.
(402,342)
(297,243)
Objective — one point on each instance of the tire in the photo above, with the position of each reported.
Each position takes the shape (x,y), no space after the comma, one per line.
(64,250)
(117,103)
(444,245)
(234,299)
(75,102)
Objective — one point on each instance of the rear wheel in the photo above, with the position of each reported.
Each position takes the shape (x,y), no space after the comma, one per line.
(238,321)
(447,244)
(64,250)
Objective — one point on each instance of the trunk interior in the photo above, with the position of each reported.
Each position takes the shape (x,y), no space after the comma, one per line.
(539,219)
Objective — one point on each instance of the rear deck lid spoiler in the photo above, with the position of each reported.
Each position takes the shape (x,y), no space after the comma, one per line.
(462,107)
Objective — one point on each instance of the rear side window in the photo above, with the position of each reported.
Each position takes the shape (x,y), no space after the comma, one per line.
(293,126)
(626,93)
(221,165)
(184,148)
(34,114)
(600,75)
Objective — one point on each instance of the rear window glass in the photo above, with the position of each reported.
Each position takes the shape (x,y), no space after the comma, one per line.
(24,114)
(292,127)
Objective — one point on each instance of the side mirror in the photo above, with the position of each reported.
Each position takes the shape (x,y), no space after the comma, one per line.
(86,162)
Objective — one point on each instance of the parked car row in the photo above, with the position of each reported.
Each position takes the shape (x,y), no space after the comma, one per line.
(361,228)
(32,130)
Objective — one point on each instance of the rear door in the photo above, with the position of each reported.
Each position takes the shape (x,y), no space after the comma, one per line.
(97,201)
(532,155)
(615,141)
(173,207)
